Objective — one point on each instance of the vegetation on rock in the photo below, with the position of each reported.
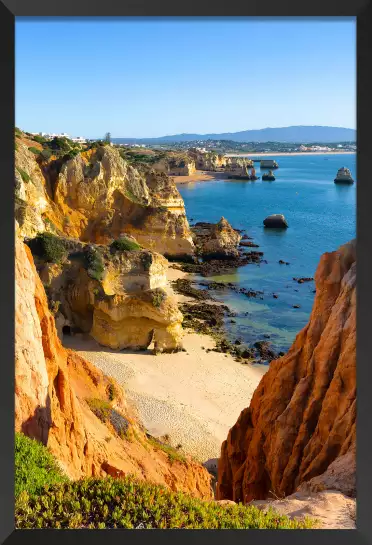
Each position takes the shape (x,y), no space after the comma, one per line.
(92,261)
(127,503)
(25,177)
(35,466)
(158,296)
(48,247)
(125,244)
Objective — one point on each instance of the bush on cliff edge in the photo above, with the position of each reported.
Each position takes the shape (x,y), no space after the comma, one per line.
(127,503)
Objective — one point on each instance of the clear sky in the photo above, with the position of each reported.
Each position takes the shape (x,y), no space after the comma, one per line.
(160,76)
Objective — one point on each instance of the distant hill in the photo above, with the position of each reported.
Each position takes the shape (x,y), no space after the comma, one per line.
(299,134)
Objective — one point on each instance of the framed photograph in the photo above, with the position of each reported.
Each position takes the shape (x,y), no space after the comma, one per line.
(184,205)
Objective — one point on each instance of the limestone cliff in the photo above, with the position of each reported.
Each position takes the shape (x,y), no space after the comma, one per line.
(120,297)
(52,394)
(95,196)
(31,200)
(299,430)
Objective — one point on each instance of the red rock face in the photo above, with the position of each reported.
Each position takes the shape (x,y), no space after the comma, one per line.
(300,425)
(52,385)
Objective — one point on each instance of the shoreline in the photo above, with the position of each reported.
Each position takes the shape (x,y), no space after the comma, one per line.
(288,153)
(193,396)
(208,175)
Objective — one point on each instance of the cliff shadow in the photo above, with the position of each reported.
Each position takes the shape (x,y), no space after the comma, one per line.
(38,425)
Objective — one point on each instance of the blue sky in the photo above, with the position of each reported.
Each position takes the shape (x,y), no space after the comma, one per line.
(153,77)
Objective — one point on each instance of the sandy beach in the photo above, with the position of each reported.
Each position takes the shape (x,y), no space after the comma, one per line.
(193,396)
(199,176)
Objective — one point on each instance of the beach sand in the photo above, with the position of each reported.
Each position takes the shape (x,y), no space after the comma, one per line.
(194,397)
(199,176)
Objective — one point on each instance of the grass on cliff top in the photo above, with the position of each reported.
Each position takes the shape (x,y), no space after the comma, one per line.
(35,466)
(127,503)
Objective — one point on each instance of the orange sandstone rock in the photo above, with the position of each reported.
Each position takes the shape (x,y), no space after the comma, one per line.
(300,426)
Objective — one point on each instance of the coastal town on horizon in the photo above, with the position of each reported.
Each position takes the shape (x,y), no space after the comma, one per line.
(228,147)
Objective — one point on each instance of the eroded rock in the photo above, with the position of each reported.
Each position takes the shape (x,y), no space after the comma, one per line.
(301,420)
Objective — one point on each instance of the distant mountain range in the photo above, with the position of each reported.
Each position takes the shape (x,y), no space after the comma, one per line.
(298,134)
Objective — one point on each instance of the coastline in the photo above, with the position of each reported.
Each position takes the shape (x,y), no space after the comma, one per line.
(208,175)
(193,396)
(285,153)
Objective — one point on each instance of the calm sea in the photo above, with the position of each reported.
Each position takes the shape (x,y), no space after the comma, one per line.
(321,216)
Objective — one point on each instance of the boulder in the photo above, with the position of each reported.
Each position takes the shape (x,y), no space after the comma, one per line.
(275,221)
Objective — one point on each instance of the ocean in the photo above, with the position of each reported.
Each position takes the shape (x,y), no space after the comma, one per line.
(321,216)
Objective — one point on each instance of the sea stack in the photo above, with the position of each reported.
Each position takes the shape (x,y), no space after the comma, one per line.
(276,221)
(343,176)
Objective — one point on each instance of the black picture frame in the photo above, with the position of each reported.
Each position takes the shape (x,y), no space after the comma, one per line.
(9,9)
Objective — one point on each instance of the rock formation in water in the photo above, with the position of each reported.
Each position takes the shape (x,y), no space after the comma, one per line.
(95,196)
(277,221)
(299,431)
(217,241)
(70,406)
(119,296)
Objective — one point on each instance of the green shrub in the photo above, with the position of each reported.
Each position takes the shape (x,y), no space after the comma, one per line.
(46,154)
(91,260)
(64,144)
(127,503)
(71,154)
(123,244)
(35,466)
(39,139)
(18,132)
(158,296)
(36,151)
(48,247)
(25,177)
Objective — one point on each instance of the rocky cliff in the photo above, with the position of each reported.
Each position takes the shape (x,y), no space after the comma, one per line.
(95,196)
(299,430)
(70,406)
(119,296)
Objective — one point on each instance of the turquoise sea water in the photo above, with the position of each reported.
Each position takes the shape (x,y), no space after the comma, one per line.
(321,216)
